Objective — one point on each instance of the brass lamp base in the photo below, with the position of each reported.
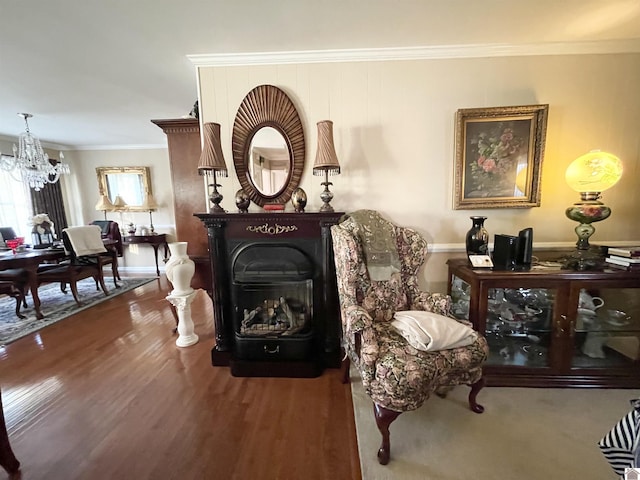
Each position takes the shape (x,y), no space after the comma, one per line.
(216,197)
(326,196)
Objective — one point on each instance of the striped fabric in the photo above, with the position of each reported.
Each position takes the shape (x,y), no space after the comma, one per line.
(621,445)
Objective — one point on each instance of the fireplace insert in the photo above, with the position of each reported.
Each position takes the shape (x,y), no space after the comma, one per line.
(272,293)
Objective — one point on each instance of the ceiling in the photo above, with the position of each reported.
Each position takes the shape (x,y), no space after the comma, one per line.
(94,73)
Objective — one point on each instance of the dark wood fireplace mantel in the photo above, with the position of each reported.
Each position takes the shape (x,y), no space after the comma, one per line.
(229,233)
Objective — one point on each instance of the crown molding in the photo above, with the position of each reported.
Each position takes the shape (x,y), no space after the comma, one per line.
(71,148)
(161,146)
(415,53)
(44,143)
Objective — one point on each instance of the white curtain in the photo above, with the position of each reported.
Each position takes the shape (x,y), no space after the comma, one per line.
(15,205)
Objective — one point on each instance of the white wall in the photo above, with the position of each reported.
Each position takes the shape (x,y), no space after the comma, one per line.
(394,132)
(83,185)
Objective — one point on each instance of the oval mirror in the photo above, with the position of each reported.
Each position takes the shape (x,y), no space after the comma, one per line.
(267,125)
(269,161)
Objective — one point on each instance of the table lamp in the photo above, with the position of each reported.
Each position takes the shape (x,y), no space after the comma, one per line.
(590,175)
(212,161)
(326,161)
(104,204)
(151,205)
(118,206)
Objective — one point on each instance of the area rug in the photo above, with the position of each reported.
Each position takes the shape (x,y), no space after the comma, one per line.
(56,306)
(532,433)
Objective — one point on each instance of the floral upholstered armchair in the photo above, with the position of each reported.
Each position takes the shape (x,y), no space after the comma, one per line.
(396,375)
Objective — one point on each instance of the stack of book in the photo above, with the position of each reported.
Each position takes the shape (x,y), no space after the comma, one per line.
(624,257)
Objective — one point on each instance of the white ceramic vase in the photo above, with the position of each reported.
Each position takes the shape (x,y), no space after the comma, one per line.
(180,269)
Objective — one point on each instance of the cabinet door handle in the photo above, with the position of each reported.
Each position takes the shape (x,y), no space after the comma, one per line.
(572,328)
(560,324)
(271,351)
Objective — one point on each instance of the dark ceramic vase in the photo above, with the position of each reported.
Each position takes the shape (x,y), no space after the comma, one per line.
(477,239)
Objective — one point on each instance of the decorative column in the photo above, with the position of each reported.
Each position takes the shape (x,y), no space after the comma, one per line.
(180,269)
(186,335)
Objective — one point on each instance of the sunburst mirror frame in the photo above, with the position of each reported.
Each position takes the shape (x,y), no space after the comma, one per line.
(268,106)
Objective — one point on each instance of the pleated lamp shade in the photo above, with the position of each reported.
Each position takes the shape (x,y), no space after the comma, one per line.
(104,204)
(149,203)
(119,203)
(211,158)
(326,158)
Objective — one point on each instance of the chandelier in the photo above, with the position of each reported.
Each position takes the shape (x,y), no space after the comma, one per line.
(30,163)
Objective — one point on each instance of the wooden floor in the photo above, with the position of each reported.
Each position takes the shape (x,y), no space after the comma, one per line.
(106,394)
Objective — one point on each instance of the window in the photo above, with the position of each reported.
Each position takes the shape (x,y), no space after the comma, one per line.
(15,205)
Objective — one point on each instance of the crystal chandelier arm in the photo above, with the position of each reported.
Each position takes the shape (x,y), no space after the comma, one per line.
(7,162)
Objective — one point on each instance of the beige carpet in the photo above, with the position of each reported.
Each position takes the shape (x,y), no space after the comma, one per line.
(527,433)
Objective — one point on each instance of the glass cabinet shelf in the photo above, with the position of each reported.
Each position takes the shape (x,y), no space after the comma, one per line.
(609,335)
(553,327)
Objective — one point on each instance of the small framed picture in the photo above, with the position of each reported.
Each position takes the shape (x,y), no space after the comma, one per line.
(499,153)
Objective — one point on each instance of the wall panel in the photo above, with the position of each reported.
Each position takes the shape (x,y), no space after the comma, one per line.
(394,133)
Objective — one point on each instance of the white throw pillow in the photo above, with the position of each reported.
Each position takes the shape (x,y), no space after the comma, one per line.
(430,331)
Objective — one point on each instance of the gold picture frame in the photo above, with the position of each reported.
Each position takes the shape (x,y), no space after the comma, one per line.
(499,153)
(130,183)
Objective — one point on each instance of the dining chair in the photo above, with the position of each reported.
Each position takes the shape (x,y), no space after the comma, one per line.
(112,238)
(6,233)
(86,260)
(12,290)
(109,229)
(16,276)
(19,278)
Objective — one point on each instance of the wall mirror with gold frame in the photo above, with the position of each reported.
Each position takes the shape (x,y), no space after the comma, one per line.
(268,145)
(131,183)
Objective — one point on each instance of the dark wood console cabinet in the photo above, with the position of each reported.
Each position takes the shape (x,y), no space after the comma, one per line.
(538,334)
(307,236)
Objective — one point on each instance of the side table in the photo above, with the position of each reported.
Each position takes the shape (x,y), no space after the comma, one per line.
(154,240)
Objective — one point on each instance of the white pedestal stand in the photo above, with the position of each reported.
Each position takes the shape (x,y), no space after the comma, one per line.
(186,336)
(179,270)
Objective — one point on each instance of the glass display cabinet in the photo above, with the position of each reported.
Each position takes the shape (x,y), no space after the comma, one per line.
(550,327)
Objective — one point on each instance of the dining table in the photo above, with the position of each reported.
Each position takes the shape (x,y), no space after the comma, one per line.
(29,259)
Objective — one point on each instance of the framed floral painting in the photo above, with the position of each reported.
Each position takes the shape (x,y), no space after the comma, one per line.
(499,154)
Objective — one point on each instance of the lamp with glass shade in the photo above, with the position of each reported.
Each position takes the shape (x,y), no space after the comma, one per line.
(590,175)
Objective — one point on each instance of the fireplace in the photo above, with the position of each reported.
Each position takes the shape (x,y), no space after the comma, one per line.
(274,293)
